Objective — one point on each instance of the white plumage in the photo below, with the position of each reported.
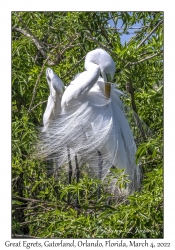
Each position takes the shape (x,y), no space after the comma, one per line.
(87,122)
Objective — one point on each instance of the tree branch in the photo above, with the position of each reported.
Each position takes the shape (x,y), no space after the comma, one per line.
(69,45)
(74,67)
(144,59)
(152,31)
(36,84)
(38,105)
(34,39)
(20,236)
(130,28)
(30,32)
(39,45)
(36,42)
(29,200)
(42,69)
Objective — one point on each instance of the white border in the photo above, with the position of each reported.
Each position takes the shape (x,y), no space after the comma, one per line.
(5,97)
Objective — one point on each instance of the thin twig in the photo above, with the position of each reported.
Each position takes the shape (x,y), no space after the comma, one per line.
(132,38)
(69,45)
(130,28)
(152,31)
(144,59)
(29,200)
(73,67)
(24,236)
(157,158)
(34,207)
(25,208)
(15,179)
(39,212)
(38,105)
(115,23)
(27,222)
(36,84)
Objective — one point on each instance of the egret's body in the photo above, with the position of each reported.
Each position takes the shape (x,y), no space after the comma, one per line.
(90,124)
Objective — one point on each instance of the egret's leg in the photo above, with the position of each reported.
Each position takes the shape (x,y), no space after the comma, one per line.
(70,171)
(110,198)
(55,169)
(100,167)
(49,163)
(77,176)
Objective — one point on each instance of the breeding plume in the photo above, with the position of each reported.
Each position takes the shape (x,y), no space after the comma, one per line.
(91,122)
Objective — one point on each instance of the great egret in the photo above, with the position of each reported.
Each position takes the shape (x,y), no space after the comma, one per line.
(92,123)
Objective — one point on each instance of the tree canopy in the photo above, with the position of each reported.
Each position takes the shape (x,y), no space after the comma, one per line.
(61,40)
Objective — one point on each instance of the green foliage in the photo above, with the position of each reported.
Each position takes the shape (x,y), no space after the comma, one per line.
(61,40)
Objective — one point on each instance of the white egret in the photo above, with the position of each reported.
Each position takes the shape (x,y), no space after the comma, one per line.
(92,123)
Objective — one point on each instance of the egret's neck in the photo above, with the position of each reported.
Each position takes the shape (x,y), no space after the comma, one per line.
(90,66)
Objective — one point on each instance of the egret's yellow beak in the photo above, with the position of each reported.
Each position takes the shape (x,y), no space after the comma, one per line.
(107,90)
(108,85)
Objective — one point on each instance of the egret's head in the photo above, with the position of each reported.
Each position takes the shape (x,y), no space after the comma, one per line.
(54,81)
(49,75)
(106,64)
